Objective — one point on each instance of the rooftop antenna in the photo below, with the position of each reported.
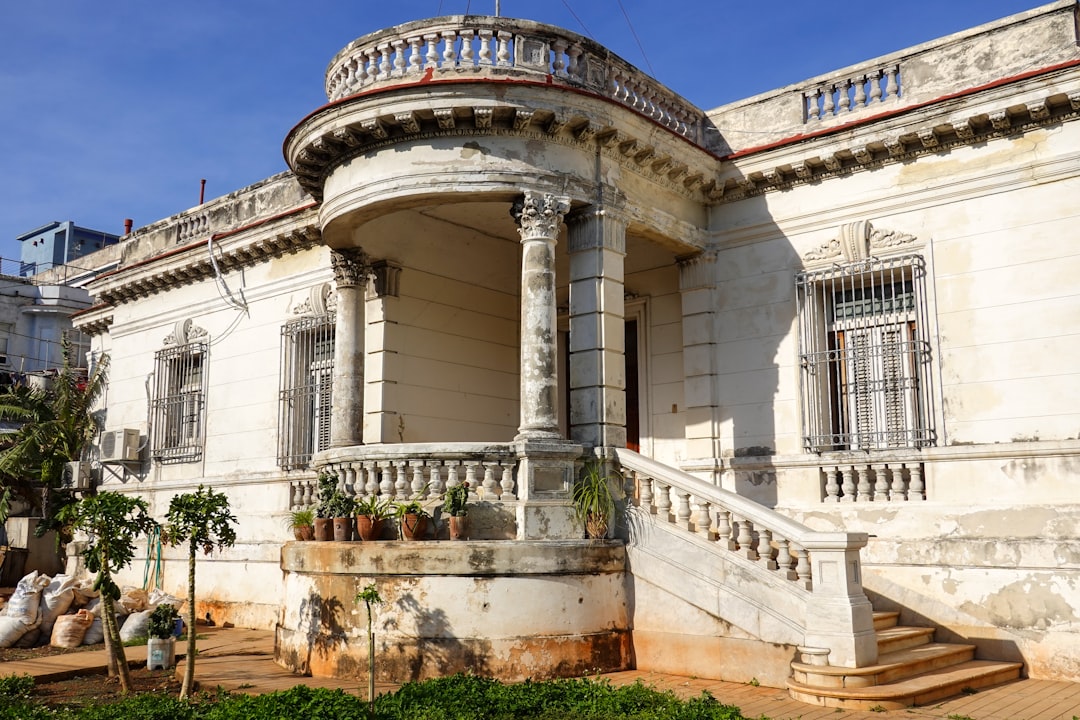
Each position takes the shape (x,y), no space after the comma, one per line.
(497,4)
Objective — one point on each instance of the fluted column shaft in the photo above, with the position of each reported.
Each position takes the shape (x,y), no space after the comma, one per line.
(538,216)
(347,416)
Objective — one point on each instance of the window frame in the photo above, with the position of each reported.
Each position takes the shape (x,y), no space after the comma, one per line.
(305,394)
(178,408)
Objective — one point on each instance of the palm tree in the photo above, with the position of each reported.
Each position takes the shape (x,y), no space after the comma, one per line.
(58,425)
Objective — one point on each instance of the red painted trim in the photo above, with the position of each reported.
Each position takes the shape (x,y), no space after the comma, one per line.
(215,236)
(893,113)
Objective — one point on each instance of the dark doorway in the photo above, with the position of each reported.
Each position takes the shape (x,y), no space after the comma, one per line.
(633,424)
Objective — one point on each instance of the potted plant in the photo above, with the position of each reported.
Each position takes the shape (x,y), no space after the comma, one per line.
(302,523)
(161,644)
(455,507)
(342,508)
(594,499)
(412,520)
(324,519)
(371,515)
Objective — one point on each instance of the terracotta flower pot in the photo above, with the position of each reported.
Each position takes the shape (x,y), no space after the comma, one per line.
(413,527)
(369,528)
(324,529)
(343,528)
(459,527)
(304,532)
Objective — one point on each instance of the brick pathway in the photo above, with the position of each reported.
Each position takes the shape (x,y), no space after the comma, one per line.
(238,659)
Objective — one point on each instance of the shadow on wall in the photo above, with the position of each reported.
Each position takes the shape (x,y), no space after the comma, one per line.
(322,618)
(436,652)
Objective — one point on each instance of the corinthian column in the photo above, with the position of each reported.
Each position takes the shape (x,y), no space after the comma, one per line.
(538,216)
(347,415)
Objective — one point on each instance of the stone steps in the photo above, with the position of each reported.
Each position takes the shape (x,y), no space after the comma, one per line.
(911,670)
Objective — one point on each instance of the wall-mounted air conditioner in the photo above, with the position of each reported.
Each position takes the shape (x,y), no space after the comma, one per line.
(118,446)
(76,475)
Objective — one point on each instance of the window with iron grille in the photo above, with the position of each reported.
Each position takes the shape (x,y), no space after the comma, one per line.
(865,356)
(307,372)
(179,403)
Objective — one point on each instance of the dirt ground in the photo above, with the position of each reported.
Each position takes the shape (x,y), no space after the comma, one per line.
(91,689)
(10,654)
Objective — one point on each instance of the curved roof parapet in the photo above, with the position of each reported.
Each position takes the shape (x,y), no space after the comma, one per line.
(472,47)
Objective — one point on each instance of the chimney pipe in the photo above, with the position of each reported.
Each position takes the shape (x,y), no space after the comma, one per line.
(128,222)
(202,190)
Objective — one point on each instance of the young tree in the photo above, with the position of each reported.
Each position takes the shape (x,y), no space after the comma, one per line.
(202,519)
(112,522)
(58,425)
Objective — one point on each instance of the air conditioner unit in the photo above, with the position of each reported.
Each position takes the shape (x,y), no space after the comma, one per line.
(76,475)
(118,446)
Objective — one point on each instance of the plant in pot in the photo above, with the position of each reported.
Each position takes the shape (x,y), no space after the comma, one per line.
(412,520)
(302,523)
(161,644)
(594,499)
(371,515)
(342,508)
(324,519)
(455,507)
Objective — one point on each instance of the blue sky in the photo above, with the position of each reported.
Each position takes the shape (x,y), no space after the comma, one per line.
(116,109)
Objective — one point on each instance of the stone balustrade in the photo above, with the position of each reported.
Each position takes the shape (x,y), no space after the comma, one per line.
(422,471)
(474,47)
(847,94)
(881,481)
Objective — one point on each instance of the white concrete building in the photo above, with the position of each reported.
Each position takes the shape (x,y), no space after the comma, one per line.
(832,356)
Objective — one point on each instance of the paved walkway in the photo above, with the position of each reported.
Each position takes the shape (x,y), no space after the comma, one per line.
(242,660)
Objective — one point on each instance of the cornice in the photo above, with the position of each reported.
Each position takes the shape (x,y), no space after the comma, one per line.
(831,158)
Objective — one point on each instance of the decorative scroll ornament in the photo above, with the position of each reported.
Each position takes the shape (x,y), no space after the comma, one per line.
(184,332)
(538,215)
(857,241)
(350,265)
(321,300)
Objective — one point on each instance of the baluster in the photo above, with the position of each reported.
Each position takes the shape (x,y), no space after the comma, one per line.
(723,529)
(875,86)
(574,52)
(305,494)
(860,92)
(645,491)
(350,480)
(507,481)
(451,474)
(296,497)
(802,567)
(916,489)
(864,484)
(449,54)
(418,489)
(898,491)
(881,483)
(503,54)
(416,58)
(386,484)
(829,106)
(467,59)
(682,514)
(435,478)
(384,61)
(663,501)
(372,72)
(848,485)
(892,85)
(489,481)
(559,62)
(485,47)
(844,103)
(783,558)
(398,45)
(703,518)
(746,539)
(832,488)
(432,54)
(764,547)
(470,477)
(401,484)
(372,486)
(813,110)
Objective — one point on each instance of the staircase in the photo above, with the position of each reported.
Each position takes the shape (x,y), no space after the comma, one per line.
(911,669)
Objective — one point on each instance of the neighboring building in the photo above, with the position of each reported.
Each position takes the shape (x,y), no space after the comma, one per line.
(839,322)
(33,322)
(59,243)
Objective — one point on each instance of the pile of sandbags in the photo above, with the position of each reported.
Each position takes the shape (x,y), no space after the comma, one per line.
(22,614)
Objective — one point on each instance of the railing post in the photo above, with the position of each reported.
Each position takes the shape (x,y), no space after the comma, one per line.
(839,616)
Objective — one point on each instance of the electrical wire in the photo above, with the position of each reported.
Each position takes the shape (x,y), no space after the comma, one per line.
(579,21)
(220,280)
(636,38)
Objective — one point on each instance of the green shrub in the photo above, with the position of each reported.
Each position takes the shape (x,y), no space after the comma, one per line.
(16,686)
(144,706)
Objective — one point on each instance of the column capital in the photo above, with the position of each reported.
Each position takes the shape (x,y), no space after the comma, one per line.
(610,232)
(538,215)
(697,271)
(350,265)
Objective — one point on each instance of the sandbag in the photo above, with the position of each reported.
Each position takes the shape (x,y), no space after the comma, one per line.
(84,593)
(25,602)
(11,630)
(95,633)
(55,601)
(132,600)
(29,639)
(69,631)
(136,626)
(158,597)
